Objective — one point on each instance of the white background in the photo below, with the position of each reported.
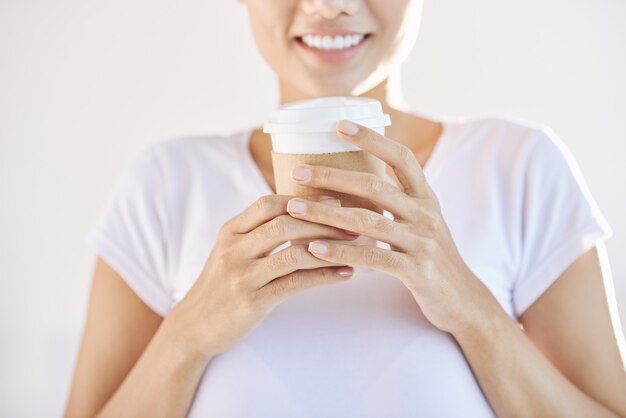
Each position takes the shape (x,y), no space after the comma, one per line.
(86,85)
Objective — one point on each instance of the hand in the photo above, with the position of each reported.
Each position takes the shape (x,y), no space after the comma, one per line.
(422,252)
(239,285)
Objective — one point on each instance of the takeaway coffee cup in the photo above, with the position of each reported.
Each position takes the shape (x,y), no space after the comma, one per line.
(304,132)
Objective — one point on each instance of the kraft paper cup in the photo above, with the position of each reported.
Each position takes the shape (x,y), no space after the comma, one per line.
(303,132)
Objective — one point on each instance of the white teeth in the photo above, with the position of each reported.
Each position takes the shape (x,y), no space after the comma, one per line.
(338,42)
(332,43)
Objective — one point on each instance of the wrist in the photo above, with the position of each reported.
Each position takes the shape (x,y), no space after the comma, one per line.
(488,320)
(183,338)
(484,316)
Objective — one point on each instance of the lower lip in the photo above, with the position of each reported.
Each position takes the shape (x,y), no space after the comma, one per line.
(337,56)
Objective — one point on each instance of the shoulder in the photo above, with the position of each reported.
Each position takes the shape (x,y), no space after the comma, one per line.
(174,166)
(188,150)
(497,130)
(514,142)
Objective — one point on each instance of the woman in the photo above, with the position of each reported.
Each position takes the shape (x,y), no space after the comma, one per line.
(490,299)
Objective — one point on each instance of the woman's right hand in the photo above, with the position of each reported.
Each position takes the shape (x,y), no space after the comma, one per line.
(239,285)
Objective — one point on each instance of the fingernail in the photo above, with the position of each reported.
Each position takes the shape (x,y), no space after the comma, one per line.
(318,247)
(301,173)
(347,127)
(331,201)
(345,271)
(350,233)
(297,206)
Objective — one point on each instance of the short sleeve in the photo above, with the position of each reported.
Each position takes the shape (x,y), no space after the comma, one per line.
(560,218)
(129,233)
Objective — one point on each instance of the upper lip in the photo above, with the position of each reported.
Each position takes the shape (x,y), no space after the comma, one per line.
(330,32)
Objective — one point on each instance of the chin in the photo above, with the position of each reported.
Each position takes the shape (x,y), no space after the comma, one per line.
(325,91)
(326,86)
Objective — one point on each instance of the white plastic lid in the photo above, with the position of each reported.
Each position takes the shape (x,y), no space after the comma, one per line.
(321,114)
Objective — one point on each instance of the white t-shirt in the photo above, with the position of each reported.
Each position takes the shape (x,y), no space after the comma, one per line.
(512,195)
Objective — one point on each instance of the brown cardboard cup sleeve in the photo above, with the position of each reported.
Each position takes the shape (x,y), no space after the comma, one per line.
(360,161)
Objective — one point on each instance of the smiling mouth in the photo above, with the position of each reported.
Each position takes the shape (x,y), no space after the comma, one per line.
(332,50)
(336,43)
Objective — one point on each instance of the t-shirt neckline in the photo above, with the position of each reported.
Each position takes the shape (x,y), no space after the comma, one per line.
(430,168)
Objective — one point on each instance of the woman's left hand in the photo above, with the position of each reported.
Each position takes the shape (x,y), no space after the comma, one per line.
(422,253)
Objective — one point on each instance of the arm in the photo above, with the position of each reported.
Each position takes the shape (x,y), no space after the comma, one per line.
(566,361)
(119,327)
(137,364)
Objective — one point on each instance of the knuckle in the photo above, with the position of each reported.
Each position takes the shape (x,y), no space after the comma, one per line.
(259,301)
(365,220)
(229,228)
(295,278)
(405,155)
(226,254)
(292,256)
(274,262)
(289,283)
(384,225)
(265,204)
(370,221)
(280,225)
(224,234)
(226,227)
(373,257)
(328,275)
(428,218)
(374,184)
(322,174)
(339,252)
(256,234)
(395,261)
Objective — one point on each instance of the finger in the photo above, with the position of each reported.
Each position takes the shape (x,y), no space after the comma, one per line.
(284,228)
(261,211)
(398,156)
(300,280)
(388,261)
(286,261)
(360,220)
(365,185)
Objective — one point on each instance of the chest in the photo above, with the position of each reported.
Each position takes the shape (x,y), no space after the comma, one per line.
(361,348)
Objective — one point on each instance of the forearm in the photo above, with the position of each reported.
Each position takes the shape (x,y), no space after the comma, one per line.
(517,379)
(163,381)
